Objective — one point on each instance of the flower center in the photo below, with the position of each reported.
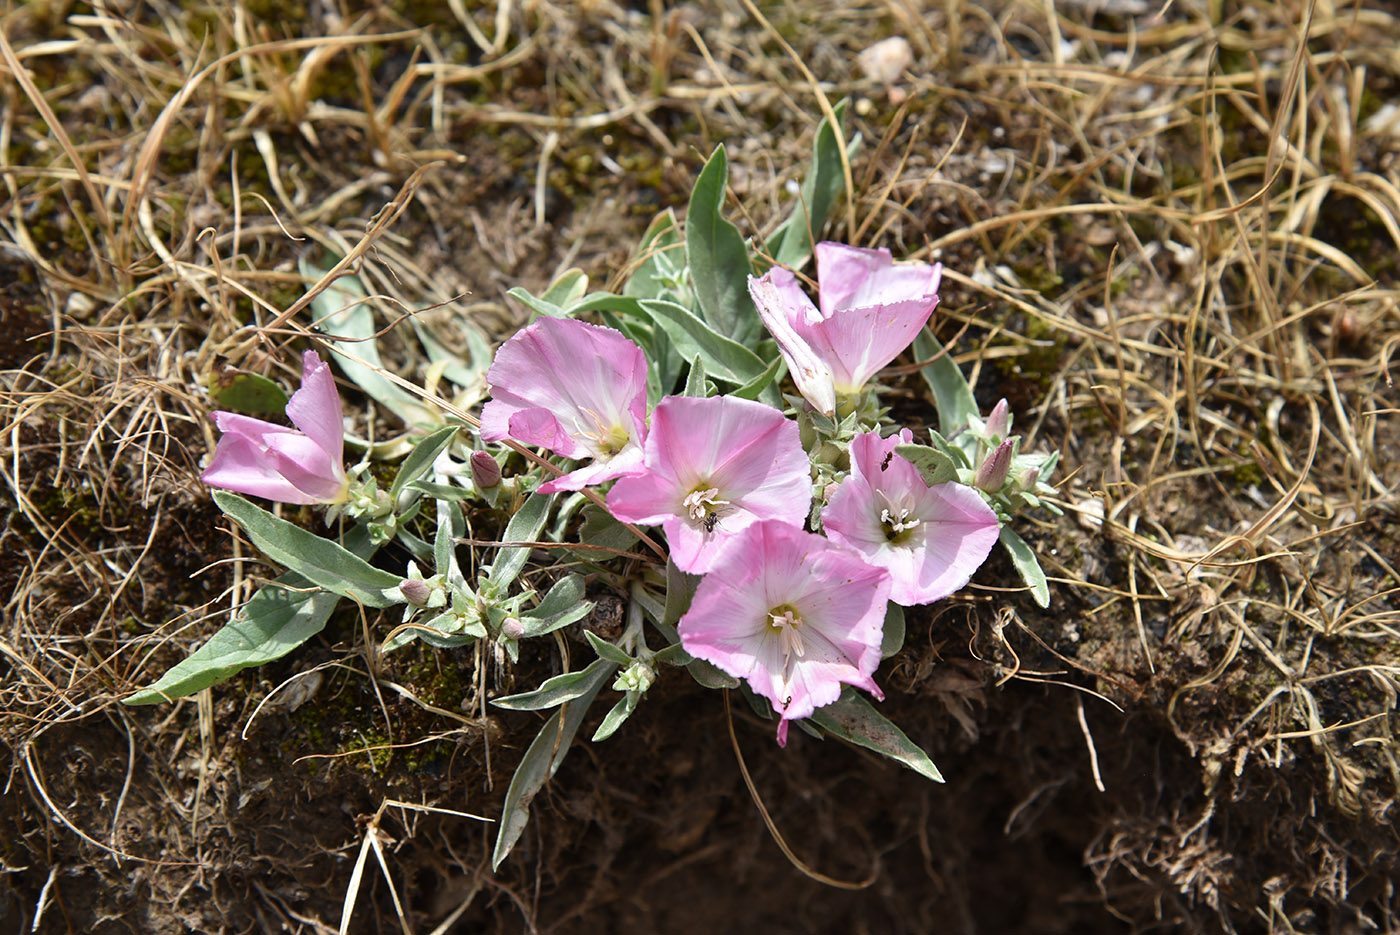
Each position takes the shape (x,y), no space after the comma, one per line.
(703,506)
(896,521)
(608,439)
(789,626)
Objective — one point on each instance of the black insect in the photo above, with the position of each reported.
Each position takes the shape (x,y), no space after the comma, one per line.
(889,456)
(710,521)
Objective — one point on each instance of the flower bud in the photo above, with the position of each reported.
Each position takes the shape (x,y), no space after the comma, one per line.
(991,474)
(416,591)
(998,423)
(1031,479)
(636,678)
(486,473)
(512,628)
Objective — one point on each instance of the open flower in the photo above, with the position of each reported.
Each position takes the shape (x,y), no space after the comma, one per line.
(301,465)
(870,312)
(578,390)
(793,614)
(930,539)
(714,466)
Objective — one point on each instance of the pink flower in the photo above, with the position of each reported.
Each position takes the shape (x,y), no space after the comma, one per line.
(578,390)
(930,539)
(793,614)
(301,465)
(713,467)
(870,312)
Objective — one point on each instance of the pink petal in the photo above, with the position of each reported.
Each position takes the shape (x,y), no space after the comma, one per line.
(749,453)
(859,341)
(240,464)
(839,599)
(852,277)
(315,407)
(956,529)
(783,306)
(570,387)
(266,450)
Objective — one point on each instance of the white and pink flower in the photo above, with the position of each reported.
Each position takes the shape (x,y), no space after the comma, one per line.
(301,465)
(576,389)
(713,466)
(793,614)
(930,539)
(870,311)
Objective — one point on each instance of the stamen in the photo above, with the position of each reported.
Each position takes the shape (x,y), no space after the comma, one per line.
(702,504)
(608,439)
(789,635)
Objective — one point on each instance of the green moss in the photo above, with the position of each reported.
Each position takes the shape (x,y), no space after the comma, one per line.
(1247,473)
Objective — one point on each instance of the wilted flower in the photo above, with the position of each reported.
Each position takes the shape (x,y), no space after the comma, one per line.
(930,539)
(870,312)
(301,465)
(576,389)
(713,466)
(793,614)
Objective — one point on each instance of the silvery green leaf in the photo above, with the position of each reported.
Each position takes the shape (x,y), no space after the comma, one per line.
(695,384)
(542,760)
(420,459)
(559,689)
(724,358)
(524,526)
(279,617)
(673,655)
(271,624)
(951,392)
(659,256)
(601,529)
(343,311)
(537,305)
(1027,565)
(314,557)
(855,720)
(934,466)
(764,386)
(620,712)
(791,244)
(718,258)
(606,650)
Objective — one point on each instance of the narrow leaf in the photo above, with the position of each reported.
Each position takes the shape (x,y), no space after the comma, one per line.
(855,720)
(606,650)
(318,559)
(1027,565)
(951,392)
(524,526)
(421,459)
(692,337)
(620,712)
(718,258)
(540,762)
(343,311)
(791,244)
(271,624)
(557,690)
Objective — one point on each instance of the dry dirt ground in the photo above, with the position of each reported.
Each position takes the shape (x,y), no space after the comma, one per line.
(1171,232)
